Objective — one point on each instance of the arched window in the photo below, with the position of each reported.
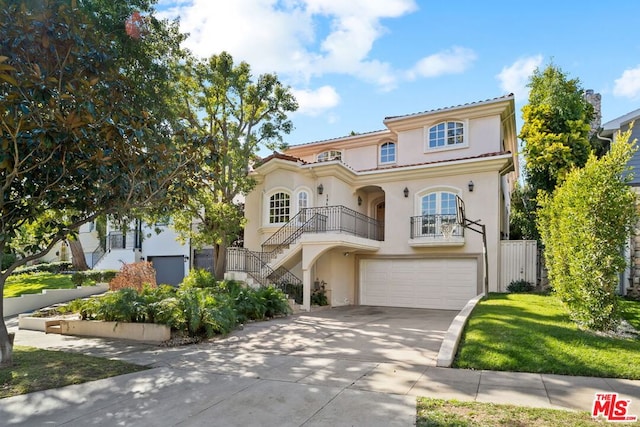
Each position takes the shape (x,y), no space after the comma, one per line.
(329,155)
(303,200)
(437,208)
(445,134)
(388,152)
(279,208)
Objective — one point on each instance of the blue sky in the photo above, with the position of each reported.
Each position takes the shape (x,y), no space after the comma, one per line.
(350,63)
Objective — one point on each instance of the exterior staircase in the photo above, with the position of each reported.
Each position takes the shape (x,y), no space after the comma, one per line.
(266,267)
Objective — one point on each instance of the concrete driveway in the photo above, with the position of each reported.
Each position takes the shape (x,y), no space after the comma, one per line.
(343,366)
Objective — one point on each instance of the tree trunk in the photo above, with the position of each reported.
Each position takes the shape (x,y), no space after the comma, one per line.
(6,347)
(79,261)
(220,260)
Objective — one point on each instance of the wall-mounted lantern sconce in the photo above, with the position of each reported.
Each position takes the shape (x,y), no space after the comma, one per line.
(320,189)
(406,192)
(471,185)
(359,201)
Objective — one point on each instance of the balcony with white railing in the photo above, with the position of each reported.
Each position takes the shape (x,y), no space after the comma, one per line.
(435,230)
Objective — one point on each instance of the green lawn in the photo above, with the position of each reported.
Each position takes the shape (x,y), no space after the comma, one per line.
(631,312)
(35,369)
(34,283)
(450,413)
(533,333)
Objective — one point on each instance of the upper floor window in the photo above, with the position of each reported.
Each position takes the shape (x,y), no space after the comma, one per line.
(279,208)
(446,134)
(439,203)
(388,152)
(329,155)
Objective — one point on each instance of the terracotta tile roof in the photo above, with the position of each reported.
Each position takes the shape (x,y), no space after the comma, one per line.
(324,141)
(481,156)
(499,98)
(280,156)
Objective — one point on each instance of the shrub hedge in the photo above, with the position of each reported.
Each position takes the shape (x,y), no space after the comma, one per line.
(90,277)
(51,267)
(520,286)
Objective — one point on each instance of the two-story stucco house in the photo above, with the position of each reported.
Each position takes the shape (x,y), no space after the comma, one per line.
(364,214)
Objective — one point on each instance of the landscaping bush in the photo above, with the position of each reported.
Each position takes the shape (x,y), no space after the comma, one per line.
(134,276)
(584,225)
(319,297)
(108,275)
(292,291)
(195,311)
(125,305)
(274,300)
(51,267)
(249,305)
(91,277)
(199,278)
(520,286)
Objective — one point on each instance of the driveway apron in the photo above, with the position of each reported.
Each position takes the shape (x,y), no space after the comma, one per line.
(343,366)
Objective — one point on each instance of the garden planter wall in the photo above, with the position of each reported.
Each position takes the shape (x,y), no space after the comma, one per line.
(149,332)
(31,302)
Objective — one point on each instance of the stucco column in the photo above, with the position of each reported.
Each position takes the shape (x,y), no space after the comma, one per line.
(306,289)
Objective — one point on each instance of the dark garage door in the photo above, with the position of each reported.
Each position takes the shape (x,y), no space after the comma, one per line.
(203,259)
(169,269)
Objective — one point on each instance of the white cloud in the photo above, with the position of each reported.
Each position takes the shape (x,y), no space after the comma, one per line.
(628,85)
(451,61)
(515,77)
(315,102)
(286,36)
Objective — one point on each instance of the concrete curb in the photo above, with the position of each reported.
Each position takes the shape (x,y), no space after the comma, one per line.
(452,338)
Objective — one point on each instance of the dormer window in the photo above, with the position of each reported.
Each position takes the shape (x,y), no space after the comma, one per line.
(446,135)
(388,152)
(327,156)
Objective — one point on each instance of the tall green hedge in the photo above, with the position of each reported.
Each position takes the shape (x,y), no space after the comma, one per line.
(584,226)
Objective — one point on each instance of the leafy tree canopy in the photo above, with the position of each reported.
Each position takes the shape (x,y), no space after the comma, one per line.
(234,115)
(82,130)
(555,129)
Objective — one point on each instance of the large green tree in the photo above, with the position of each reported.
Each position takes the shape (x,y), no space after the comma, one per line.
(84,130)
(235,115)
(555,133)
(584,226)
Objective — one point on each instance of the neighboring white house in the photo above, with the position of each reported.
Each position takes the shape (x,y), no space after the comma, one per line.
(365,214)
(88,236)
(156,243)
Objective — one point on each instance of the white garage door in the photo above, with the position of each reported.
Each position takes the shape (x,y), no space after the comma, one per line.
(418,283)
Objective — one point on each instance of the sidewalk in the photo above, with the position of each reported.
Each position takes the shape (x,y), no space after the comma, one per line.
(226,383)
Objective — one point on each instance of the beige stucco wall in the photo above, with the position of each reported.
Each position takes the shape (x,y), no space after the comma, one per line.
(361,158)
(338,271)
(483,204)
(483,137)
